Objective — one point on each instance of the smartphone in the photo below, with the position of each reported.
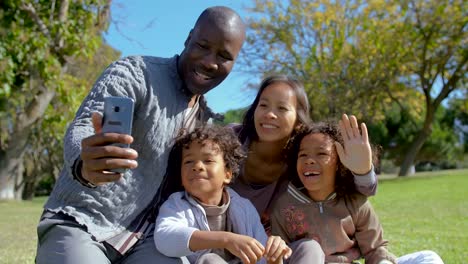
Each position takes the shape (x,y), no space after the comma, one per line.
(118,118)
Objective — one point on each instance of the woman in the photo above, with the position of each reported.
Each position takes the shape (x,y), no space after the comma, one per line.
(280,108)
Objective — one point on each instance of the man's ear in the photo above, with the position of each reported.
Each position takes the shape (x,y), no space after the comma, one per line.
(187,40)
(228,178)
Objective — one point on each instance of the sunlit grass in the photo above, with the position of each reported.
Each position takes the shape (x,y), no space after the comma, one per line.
(18,237)
(429,211)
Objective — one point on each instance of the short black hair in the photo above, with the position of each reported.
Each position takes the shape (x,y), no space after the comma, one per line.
(224,137)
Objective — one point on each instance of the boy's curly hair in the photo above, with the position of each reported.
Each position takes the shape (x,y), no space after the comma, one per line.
(224,137)
(344,180)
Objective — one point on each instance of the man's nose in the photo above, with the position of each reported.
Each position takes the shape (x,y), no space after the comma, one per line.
(210,62)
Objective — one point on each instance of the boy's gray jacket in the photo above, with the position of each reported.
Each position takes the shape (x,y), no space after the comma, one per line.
(181,215)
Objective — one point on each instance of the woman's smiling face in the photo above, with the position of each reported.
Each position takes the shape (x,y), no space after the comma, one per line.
(275,115)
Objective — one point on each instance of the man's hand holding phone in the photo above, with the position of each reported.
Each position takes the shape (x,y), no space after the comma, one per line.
(104,159)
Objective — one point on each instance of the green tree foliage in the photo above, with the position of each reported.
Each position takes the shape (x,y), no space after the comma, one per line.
(360,56)
(234,116)
(397,130)
(44,156)
(332,46)
(438,59)
(458,111)
(39,42)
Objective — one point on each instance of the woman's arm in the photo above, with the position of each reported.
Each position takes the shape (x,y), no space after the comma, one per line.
(366,184)
(356,154)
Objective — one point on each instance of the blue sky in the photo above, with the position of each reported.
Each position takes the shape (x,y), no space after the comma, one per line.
(160,27)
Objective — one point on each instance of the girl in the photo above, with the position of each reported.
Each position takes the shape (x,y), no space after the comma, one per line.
(322,204)
(209,222)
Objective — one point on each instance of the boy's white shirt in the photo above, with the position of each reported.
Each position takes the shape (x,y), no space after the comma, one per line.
(181,215)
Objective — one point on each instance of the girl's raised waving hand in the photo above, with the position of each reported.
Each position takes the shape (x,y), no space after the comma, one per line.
(356,154)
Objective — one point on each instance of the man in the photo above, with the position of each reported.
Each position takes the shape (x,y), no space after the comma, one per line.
(95,216)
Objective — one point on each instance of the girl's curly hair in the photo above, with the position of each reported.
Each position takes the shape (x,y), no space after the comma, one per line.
(224,137)
(344,180)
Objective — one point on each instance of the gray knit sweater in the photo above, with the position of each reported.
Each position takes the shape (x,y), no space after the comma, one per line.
(160,109)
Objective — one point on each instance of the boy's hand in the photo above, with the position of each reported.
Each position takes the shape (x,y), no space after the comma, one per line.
(276,249)
(356,154)
(248,249)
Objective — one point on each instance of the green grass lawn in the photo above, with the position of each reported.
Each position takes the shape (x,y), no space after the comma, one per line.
(428,211)
(18,237)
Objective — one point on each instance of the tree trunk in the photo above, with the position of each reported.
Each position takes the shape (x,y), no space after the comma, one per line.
(11,172)
(417,144)
(11,167)
(28,191)
(11,159)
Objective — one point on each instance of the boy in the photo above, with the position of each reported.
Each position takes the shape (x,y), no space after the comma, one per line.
(209,222)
